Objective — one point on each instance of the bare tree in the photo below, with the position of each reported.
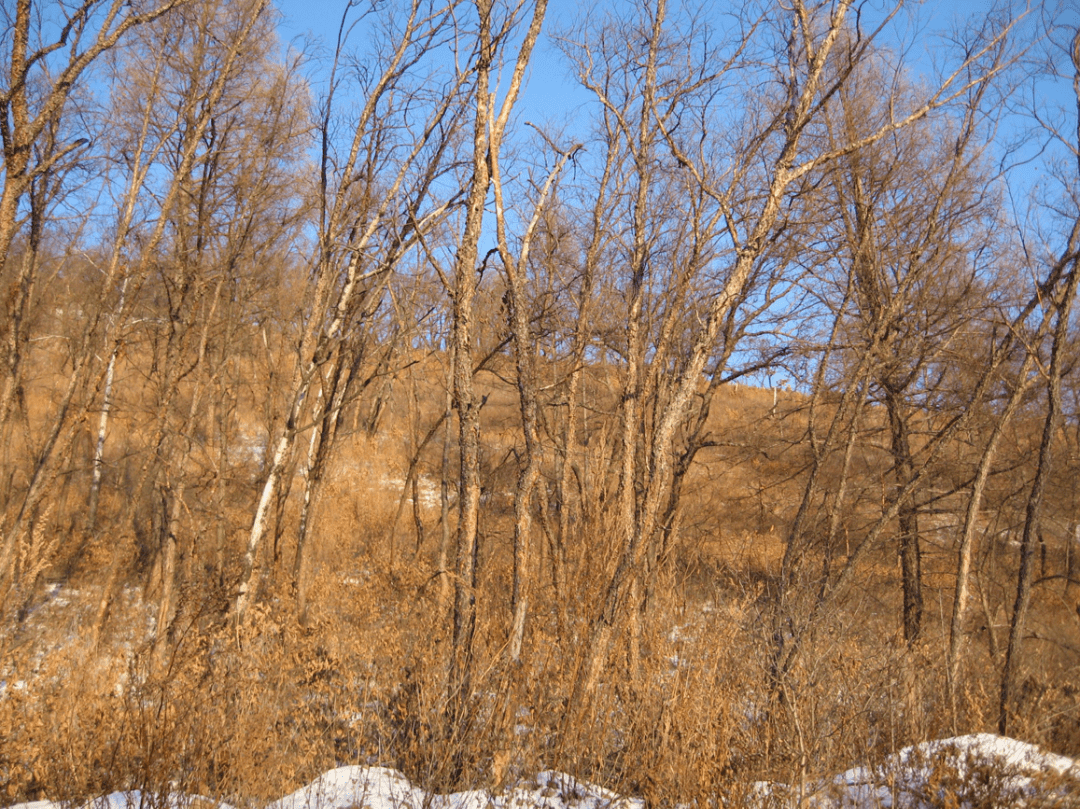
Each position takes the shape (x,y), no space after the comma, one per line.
(99,329)
(743,205)
(514,265)
(51,47)
(231,211)
(375,203)
(917,241)
(494,26)
(1059,298)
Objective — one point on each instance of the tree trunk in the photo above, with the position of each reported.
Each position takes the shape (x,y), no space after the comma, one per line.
(966,551)
(487,136)
(907,518)
(1033,512)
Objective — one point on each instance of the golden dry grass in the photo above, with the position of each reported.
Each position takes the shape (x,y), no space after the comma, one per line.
(249,714)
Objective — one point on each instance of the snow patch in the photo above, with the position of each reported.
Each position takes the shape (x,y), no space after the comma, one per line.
(966,771)
(359,787)
(426,489)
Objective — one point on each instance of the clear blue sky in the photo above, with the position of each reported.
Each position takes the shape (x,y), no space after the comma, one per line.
(549,94)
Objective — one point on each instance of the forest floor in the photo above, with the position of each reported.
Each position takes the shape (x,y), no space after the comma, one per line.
(980,770)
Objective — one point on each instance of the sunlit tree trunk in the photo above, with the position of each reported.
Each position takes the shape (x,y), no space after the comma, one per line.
(489,126)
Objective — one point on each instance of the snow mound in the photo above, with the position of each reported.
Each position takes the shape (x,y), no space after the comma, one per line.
(382,788)
(359,787)
(557,790)
(966,772)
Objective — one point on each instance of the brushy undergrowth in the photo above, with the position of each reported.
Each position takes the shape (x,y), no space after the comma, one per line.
(693,707)
(247,714)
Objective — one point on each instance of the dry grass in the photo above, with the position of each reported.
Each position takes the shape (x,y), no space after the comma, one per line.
(249,714)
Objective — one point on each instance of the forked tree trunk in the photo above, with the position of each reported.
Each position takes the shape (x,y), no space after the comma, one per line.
(465,401)
(487,134)
(515,268)
(966,551)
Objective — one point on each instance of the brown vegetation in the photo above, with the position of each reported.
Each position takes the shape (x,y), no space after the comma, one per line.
(305,465)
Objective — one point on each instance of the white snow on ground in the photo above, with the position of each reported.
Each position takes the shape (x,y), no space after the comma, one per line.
(427,489)
(381,788)
(968,771)
(370,787)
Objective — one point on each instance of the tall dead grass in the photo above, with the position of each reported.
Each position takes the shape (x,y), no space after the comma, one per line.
(248,714)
